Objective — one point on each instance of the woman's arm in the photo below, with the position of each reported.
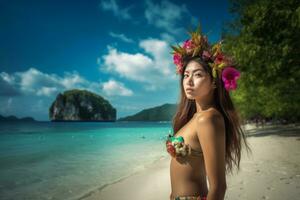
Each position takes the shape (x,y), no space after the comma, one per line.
(211,135)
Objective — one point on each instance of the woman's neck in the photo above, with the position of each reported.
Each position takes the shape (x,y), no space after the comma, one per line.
(204,105)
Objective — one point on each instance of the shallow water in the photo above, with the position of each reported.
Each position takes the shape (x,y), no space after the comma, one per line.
(46,160)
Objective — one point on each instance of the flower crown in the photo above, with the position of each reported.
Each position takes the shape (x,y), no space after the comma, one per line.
(198,46)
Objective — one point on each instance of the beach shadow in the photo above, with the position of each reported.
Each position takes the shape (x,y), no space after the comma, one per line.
(278,131)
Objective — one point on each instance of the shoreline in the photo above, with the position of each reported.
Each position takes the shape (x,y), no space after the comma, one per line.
(153,166)
(153,182)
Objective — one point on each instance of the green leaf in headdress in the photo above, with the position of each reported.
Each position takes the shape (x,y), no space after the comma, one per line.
(196,51)
(214,73)
(222,65)
(216,49)
(178,49)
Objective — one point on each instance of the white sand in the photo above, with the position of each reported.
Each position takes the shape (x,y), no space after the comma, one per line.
(271,172)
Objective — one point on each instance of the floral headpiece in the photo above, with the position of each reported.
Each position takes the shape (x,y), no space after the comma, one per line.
(198,46)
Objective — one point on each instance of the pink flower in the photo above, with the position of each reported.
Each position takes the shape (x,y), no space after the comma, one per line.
(229,77)
(177,59)
(178,62)
(188,44)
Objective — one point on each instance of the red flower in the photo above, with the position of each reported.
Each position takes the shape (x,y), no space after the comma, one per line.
(219,58)
(171,149)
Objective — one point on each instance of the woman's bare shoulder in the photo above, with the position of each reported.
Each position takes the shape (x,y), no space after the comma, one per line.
(208,115)
(211,116)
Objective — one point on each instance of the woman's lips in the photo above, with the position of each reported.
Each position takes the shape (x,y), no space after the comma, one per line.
(189,90)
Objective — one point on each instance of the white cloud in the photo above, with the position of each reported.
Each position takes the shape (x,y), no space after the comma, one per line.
(8,85)
(169,17)
(115,88)
(7,78)
(165,15)
(161,56)
(35,82)
(121,37)
(32,80)
(131,66)
(72,80)
(46,91)
(111,5)
(154,67)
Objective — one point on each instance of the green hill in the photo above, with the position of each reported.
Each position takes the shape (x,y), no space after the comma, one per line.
(164,112)
(13,118)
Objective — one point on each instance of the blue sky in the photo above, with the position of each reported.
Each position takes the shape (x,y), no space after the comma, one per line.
(117,49)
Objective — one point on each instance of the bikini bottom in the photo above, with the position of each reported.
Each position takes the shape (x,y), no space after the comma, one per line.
(187,197)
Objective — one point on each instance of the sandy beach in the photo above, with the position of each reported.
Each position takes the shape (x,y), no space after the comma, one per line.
(272,171)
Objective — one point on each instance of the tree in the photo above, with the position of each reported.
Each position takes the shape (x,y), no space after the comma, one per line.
(264,40)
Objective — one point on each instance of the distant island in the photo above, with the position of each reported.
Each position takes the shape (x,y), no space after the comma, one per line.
(81,105)
(13,118)
(164,112)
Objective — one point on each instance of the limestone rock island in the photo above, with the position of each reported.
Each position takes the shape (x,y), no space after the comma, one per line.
(81,105)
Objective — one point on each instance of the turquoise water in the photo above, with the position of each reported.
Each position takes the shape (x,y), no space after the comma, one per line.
(47,160)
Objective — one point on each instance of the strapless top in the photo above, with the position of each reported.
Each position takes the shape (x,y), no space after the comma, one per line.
(176,147)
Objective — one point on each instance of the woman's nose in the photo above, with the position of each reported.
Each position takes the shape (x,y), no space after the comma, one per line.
(190,80)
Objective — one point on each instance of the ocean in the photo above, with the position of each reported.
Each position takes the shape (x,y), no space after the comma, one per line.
(70,160)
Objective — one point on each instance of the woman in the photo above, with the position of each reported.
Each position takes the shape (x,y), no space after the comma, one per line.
(208,134)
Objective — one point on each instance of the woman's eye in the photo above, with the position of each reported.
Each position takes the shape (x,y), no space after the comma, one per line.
(199,75)
(185,75)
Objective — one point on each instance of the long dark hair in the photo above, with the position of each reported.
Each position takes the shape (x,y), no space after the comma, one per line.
(234,133)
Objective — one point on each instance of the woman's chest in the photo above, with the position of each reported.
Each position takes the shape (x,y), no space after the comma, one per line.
(189,134)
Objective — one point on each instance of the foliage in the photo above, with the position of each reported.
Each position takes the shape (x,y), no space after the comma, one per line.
(264,40)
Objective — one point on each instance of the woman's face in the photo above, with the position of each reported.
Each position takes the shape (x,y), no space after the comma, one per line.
(196,81)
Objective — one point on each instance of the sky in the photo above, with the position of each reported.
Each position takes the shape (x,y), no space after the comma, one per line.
(117,49)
